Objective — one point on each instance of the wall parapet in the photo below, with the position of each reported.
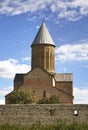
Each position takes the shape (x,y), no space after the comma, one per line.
(26,114)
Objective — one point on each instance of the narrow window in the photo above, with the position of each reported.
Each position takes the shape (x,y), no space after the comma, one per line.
(33,92)
(44,93)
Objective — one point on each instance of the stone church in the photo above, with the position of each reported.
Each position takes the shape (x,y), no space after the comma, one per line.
(42,78)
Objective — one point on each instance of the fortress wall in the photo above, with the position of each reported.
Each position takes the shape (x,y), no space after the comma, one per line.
(46,114)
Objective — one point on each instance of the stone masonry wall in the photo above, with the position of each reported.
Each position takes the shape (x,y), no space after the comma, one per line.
(46,114)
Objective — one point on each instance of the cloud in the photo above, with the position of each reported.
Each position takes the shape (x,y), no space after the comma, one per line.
(71,10)
(4,92)
(75,52)
(80,95)
(37,27)
(8,68)
(2,101)
(31,18)
(26,59)
(16,7)
(71,15)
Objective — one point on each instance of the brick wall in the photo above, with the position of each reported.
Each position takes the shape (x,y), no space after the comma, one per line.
(39,81)
(46,114)
(44,56)
(63,97)
(65,86)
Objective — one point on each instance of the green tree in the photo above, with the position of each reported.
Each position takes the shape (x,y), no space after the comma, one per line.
(52,100)
(44,101)
(21,96)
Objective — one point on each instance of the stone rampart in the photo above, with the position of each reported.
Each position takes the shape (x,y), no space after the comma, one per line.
(46,114)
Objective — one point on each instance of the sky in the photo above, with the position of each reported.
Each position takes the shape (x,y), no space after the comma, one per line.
(67,22)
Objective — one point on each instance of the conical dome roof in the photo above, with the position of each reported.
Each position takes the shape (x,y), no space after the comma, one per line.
(43,36)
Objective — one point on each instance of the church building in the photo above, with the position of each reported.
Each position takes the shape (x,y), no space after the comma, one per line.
(42,78)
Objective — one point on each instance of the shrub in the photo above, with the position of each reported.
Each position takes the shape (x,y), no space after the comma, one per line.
(21,96)
(38,126)
(44,101)
(52,100)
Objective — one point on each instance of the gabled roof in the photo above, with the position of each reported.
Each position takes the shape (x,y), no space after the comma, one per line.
(43,36)
(38,67)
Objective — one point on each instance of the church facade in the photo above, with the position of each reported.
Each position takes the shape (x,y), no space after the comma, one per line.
(42,79)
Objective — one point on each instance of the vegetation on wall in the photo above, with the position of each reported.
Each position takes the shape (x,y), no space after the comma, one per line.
(52,100)
(26,96)
(21,96)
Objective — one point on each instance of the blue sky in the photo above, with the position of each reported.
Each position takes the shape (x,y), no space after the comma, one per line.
(67,22)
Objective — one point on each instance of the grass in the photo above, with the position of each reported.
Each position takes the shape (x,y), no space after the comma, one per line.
(39,126)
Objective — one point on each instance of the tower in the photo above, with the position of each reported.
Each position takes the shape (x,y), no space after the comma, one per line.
(43,50)
(42,78)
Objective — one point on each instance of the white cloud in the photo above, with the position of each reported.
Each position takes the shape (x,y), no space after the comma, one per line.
(75,52)
(71,15)
(2,101)
(26,59)
(31,18)
(37,27)
(4,92)
(62,40)
(8,68)
(71,10)
(80,95)
(16,7)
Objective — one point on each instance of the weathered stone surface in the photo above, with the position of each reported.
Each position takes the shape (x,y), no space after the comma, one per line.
(46,114)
